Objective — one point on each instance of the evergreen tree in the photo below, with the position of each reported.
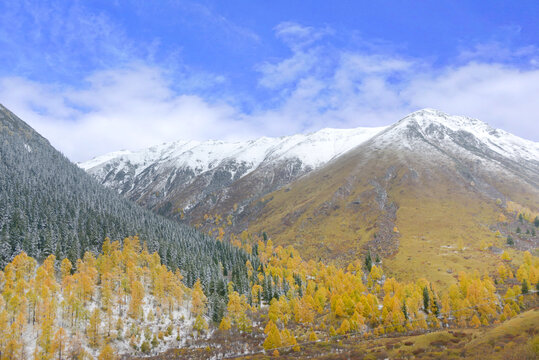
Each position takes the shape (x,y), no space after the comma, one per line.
(510,240)
(368,261)
(426,299)
(525,288)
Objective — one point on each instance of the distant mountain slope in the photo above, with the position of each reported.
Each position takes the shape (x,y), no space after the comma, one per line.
(213,177)
(50,206)
(414,194)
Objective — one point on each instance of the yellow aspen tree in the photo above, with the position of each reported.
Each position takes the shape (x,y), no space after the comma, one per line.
(137,295)
(332,331)
(107,353)
(304,314)
(320,299)
(200,325)
(107,298)
(507,313)
(288,339)
(225,324)
(274,311)
(339,307)
(527,258)
(273,339)
(198,299)
(4,330)
(92,331)
(344,328)
(13,347)
(256,292)
(234,307)
(59,343)
(65,269)
(502,273)
(286,312)
(522,272)
(475,322)
(533,275)
(46,327)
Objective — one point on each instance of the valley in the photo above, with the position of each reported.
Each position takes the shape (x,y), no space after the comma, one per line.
(400,246)
(212,180)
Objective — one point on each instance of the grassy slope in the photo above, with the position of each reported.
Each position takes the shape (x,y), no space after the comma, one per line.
(436,211)
(432,227)
(517,338)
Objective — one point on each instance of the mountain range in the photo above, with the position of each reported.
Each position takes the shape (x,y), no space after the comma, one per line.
(411,192)
(409,222)
(198,178)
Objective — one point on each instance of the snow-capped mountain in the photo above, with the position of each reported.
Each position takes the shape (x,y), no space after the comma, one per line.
(435,124)
(312,150)
(185,174)
(232,178)
(470,144)
(425,182)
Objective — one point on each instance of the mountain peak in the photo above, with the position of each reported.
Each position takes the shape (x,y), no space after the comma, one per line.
(438,127)
(425,117)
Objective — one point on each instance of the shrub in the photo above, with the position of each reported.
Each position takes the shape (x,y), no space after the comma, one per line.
(525,286)
(510,241)
(145,347)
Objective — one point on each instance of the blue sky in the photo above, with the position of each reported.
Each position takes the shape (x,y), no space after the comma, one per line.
(99,76)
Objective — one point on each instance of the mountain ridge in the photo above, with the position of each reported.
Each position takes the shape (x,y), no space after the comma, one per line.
(409,194)
(185,174)
(50,206)
(188,180)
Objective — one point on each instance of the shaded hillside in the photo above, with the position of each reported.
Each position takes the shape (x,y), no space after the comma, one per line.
(50,206)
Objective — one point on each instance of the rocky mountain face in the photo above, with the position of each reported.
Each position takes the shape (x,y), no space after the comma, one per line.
(190,179)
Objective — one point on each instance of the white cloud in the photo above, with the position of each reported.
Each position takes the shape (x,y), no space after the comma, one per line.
(297,36)
(118,109)
(359,88)
(288,70)
(316,86)
(503,96)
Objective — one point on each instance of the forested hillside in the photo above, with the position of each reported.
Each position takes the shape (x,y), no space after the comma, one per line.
(125,301)
(50,206)
(125,297)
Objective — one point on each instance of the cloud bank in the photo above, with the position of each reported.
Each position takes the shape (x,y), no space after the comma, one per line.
(139,104)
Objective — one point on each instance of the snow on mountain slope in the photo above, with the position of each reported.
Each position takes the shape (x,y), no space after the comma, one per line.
(188,175)
(312,150)
(217,177)
(431,121)
(428,181)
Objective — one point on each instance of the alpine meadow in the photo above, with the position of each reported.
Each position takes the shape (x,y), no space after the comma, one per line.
(237,180)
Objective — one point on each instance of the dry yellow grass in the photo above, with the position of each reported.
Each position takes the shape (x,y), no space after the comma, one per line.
(441,219)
